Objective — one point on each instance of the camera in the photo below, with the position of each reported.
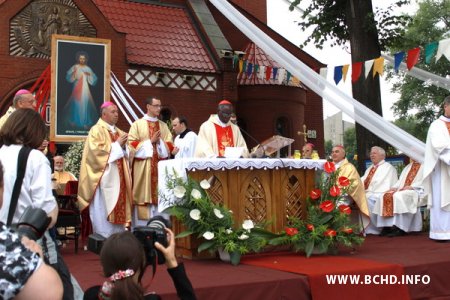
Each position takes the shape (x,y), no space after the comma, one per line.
(32,223)
(148,235)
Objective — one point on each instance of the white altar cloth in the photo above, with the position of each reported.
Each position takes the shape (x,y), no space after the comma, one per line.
(181,166)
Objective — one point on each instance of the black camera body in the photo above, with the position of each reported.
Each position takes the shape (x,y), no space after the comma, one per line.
(148,235)
(32,223)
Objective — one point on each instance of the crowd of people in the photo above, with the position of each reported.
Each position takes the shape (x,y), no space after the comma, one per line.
(118,187)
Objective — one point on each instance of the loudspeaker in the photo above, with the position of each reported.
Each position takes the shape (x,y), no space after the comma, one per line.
(95,243)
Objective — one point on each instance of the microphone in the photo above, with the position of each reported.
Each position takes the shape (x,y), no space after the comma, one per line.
(254,154)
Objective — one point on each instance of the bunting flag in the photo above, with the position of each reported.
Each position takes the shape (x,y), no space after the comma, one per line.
(398,58)
(256,69)
(367,67)
(443,49)
(323,72)
(235,61)
(249,69)
(241,66)
(281,75)
(295,81)
(244,66)
(345,71)
(337,74)
(288,77)
(430,50)
(378,66)
(268,72)
(274,71)
(412,58)
(356,71)
(262,72)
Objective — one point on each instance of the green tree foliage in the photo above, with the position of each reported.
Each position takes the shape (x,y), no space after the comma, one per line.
(328,147)
(330,21)
(350,143)
(420,102)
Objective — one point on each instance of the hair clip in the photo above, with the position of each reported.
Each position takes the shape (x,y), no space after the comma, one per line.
(121,275)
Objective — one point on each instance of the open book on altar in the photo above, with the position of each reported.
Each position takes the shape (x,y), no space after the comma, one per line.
(272,145)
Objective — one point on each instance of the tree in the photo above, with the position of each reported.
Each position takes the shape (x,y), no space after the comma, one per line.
(328,148)
(350,143)
(430,24)
(354,21)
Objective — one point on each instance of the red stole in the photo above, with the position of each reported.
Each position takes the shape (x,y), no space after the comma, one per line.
(152,128)
(369,177)
(388,198)
(119,213)
(224,138)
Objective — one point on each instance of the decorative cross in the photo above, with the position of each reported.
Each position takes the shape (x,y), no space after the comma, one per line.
(304,133)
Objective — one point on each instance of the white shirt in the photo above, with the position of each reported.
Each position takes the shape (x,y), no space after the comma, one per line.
(36,188)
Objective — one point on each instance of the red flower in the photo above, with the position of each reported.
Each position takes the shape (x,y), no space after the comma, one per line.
(329,167)
(291,231)
(329,232)
(335,191)
(327,206)
(345,209)
(310,227)
(347,230)
(343,181)
(315,194)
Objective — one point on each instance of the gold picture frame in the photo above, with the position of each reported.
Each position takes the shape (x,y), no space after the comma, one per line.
(80,83)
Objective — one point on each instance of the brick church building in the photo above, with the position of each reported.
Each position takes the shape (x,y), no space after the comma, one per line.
(180,51)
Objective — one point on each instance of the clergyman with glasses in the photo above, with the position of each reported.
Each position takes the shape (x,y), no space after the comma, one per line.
(22,99)
(147,141)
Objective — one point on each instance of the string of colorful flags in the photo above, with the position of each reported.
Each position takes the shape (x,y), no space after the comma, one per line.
(434,49)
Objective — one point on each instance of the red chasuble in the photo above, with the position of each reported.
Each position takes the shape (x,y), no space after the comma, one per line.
(224,138)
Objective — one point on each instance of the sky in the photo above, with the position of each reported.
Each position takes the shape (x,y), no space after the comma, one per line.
(282,21)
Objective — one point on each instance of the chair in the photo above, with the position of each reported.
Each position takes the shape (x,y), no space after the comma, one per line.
(69,219)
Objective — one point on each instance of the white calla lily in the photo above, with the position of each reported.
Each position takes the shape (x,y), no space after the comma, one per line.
(218,213)
(208,235)
(205,184)
(243,236)
(228,231)
(196,194)
(195,214)
(248,224)
(179,191)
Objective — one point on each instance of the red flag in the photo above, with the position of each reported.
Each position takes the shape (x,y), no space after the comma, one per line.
(413,57)
(356,71)
(268,72)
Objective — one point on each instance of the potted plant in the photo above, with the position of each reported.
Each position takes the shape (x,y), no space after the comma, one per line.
(327,224)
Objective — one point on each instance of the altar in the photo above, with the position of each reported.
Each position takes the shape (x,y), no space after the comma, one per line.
(265,189)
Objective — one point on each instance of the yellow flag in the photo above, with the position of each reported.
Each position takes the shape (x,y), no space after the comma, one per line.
(241,65)
(378,66)
(345,70)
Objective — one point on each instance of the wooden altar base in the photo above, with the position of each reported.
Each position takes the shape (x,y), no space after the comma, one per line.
(270,195)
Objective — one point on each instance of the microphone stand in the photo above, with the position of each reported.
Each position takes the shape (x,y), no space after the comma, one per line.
(255,140)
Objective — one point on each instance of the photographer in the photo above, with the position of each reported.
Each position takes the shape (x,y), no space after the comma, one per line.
(124,263)
(31,278)
(20,137)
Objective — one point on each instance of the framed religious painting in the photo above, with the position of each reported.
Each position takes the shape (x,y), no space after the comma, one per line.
(80,84)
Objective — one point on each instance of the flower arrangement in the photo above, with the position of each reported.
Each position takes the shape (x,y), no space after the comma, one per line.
(211,222)
(72,158)
(328,221)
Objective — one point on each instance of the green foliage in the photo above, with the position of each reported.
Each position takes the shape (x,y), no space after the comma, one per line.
(211,222)
(72,158)
(420,101)
(328,148)
(328,222)
(329,20)
(411,125)
(350,144)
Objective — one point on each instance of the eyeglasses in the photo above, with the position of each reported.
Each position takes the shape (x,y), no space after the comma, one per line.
(156,105)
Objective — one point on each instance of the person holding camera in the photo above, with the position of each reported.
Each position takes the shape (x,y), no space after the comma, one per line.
(24,276)
(28,187)
(123,259)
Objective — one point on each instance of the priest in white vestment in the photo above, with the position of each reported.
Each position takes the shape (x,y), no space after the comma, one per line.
(185,141)
(437,175)
(218,133)
(381,175)
(398,210)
